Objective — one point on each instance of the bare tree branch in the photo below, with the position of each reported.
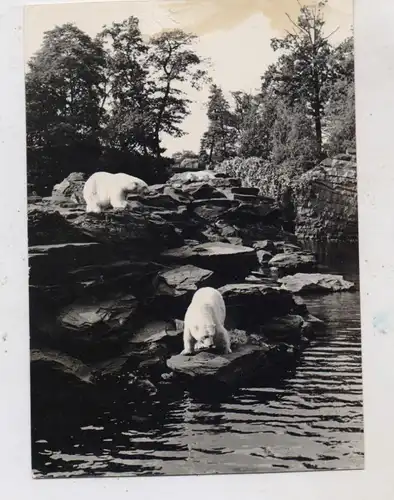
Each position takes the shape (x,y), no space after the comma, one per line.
(332,33)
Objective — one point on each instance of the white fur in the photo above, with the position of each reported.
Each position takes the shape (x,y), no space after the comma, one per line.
(204,322)
(103,190)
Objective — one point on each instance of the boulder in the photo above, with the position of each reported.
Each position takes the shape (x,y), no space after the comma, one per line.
(47,225)
(303,284)
(212,209)
(202,191)
(250,304)
(183,280)
(251,191)
(53,361)
(291,263)
(71,188)
(325,198)
(142,229)
(93,318)
(216,256)
(191,176)
(156,331)
(176,287)
(289,328)
(231,369)
(52,263)
(266,245)
(263,257)
(286,247)
(179,180)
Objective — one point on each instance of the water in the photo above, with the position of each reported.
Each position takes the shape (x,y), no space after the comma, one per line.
(310,421)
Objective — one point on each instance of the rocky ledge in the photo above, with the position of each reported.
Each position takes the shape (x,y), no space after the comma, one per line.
(108,292)
(320,203)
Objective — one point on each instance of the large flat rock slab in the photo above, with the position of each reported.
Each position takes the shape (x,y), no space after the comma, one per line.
(304,283)
(216,256)
(253,303)
(291,263)
(183,280)
(229,369)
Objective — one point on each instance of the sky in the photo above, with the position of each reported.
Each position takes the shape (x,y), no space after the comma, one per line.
(234,34)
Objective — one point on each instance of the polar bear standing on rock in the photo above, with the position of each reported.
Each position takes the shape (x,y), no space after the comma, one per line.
(204,322)
(103,190)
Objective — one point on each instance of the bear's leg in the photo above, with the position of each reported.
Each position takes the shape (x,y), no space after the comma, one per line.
(224,339)
(188,342)
(118,200)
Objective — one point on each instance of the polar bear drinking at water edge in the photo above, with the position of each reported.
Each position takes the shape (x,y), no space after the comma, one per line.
(103,190)
(204,322)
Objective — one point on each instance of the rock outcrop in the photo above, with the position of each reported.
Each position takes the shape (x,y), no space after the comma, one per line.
(304,284)
(326,201)
(108,291)
(319,203)
(71,188)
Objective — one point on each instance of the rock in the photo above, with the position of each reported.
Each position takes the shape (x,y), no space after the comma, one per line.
(191,176)
(285,247)
(143,386)
(289,328)
(266,245)
(53,263)
(184,279)
(55,361)
(46,225)
(321,202)
(145,231)
(177,286)
(189,164)
(71,187)
(250,304)
(343,157)
(92,318)
(181,179)
(156,331)
(202,190)
(263,257)
(230,369)
(316,324)
(212,209)
(326,202)
(302,283)
(252,191)
(222,257)
(166,196)
(291,263)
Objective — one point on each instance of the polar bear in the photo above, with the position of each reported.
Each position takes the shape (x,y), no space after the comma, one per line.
(103,190)
(204,322)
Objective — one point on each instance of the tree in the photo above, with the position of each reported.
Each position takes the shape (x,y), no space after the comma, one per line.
(255,137)
(218,141)
(173,63)
(63,99)
(129,127)
(293,137)
(340,112)
(302,70)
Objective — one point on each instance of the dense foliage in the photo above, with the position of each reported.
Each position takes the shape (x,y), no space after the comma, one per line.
(103,103)
(305,108)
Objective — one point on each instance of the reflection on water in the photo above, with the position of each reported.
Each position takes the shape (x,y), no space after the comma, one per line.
(311,420)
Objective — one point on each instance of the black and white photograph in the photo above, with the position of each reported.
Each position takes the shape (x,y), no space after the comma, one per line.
(194,292)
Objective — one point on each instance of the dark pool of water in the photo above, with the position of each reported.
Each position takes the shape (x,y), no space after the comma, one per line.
(311,420)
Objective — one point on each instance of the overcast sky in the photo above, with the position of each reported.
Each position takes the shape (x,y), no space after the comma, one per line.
(234,34)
